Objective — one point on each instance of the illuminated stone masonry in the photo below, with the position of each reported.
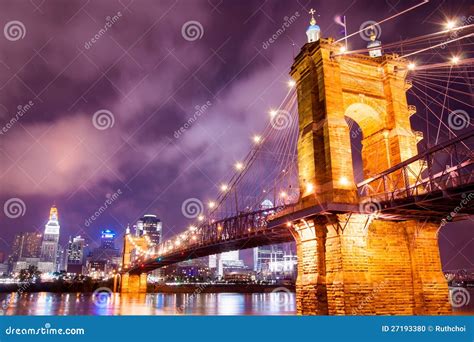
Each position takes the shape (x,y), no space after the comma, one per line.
(356,264)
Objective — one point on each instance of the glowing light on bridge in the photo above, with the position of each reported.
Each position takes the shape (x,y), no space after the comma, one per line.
(273,113)
(411,66)
(257,139)
(450,24)
(224,187)
(211,204)
(309,187)
(291,83)
(200,218)
(455,59)
(283,194)
(239,166)
(344,181)
(342,49)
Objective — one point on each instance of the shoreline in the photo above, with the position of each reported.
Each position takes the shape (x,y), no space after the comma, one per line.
(151,288)
(219,288)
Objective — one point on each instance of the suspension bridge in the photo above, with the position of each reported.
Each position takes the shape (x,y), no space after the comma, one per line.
(340,170)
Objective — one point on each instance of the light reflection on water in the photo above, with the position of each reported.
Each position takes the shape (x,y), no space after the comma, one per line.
(279,303)
(45,303)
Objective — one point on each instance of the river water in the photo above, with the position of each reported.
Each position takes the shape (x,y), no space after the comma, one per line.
(45,303)
(278,303)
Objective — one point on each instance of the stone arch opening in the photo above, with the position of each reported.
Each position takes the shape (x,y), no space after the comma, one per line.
(355,132)
(369,140)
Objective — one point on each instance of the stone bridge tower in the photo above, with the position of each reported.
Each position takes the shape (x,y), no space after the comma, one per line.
(350,262)
(134,283)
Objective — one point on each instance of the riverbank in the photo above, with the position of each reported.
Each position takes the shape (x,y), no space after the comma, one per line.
(90,286)
(56,287)
(218,288)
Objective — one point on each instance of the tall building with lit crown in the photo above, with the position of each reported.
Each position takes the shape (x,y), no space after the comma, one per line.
(49,246)
(151,226)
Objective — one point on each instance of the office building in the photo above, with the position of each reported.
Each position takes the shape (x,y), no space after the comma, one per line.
(49,246)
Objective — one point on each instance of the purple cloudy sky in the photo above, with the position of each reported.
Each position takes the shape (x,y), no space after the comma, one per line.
(151,79)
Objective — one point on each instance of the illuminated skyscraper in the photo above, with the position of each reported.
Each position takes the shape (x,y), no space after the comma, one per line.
(107,239)
(75,255)
(274,262)
(49,247)
(26,245)
(151,226)
(226,261)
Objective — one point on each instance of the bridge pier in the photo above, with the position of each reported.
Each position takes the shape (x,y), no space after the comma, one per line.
(356,265)
(134,283)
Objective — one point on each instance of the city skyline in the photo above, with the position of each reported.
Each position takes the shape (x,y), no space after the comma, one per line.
(82,167)
(273,157)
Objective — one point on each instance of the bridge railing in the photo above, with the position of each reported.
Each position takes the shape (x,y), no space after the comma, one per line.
(440,168)
(232,228)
